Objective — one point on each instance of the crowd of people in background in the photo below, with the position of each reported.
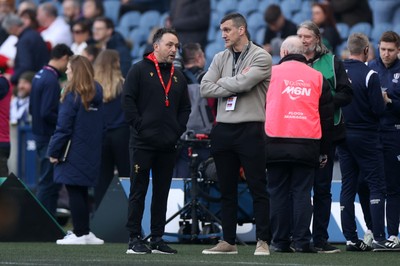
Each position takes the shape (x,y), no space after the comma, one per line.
(72,78)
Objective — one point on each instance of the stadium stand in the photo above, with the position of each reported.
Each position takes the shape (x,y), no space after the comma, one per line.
(135,27)
(111,9)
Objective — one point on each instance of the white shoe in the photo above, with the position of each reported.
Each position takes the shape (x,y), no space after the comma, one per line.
(368,238)
(72,239)
(394,239)
(91,239)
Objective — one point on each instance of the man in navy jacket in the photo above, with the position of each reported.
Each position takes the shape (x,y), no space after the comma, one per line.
(107,38)
(359,152)
(44,100)
(32,52)
(388,68)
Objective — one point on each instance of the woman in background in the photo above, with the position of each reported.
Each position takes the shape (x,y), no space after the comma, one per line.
(115,150)
(81,35)
(322,15)
(75,147)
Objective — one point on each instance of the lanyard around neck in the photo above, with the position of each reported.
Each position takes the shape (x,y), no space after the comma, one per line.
(237,63)
(167,88)
(51,70)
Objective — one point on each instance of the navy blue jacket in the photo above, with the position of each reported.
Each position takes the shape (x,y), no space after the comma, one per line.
(367,103)
(32,53)
(43,103)
(113,114)
(390,79)
(85,130)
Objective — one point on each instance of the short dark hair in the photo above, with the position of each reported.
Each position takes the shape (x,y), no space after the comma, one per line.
(390,36)
(83,23)
(109,23)
(60,50)
(238,20)
(92,50)
(189,51)
(272,13)
(160,32)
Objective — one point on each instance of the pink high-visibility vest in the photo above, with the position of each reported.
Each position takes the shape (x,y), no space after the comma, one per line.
(292,109)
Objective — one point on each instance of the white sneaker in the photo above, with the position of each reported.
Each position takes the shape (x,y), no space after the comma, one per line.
(91,239)
(368,238)
(394,239)
(72,239)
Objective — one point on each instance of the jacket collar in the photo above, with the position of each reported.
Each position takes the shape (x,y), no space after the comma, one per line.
(295,57)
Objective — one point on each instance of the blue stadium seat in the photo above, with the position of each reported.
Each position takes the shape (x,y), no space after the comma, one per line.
(378,29)
(246,7)
(300,17)
(138,37)
(213,4)
(276,59)
(264,4)
(212,49)
(362,27)
(128,22)
(259,37)
(226,6)
(294,5)
(343,30)
(215,18)
(397,28)
(111,10)
(287,8)
(340,49)
(163,18)
(254,22)
(211,34)
(149,19)
(306,8)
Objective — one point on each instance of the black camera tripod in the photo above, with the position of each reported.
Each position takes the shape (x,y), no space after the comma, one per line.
(194,206)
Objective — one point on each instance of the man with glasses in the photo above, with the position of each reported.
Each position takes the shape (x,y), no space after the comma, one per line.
(107,38)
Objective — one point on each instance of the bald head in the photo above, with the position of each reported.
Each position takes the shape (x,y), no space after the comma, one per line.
(292,45)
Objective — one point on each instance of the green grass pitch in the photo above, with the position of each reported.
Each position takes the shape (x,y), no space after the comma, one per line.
(34,253)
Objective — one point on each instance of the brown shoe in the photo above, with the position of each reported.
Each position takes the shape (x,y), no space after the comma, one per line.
(262,248)
(222,247)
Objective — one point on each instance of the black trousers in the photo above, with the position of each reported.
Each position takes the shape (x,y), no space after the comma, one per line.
(289,187)
(322,200)
(79,206)
(4,154)
(115,155)
(161,164)
(233,146)
(361,160)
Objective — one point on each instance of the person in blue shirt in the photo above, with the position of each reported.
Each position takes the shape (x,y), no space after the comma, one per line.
(43,106)
(359,152)
(388,67)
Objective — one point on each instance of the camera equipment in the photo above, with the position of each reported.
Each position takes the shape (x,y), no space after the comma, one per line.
(194,209)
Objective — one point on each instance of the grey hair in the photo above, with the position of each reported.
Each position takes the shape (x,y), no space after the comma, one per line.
(10,21)
(357,42)
(309,25)
(293,45)
(49,9)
